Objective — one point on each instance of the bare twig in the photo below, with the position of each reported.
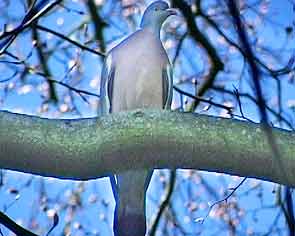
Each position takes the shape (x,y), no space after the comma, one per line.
(251,98)
(178,49)
(43,61)
(14,227)
(236,92)
(164,204)
(98,22)
(200,99)
(233,9)
(225,199)
(79,91)
(215,60)
(83,47)
(28,20)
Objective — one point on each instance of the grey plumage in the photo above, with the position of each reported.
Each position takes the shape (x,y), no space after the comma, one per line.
(136,74)
(139,64)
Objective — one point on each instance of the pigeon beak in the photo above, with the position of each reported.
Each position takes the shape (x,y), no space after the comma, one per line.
(172,11)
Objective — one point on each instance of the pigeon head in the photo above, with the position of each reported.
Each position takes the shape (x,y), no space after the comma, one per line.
(155,15)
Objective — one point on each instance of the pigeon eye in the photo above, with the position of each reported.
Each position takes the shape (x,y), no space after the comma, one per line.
(156,9)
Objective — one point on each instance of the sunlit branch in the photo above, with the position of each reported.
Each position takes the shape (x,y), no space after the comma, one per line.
(92,148)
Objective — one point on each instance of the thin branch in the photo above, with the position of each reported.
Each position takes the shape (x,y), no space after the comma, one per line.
(44,65)
(200,99)
(76,90)
(178,49)
(289,213)
(55,223)
(33,70)
(225,199)
(70,40)
(255,74)
(28,20)
(164,204)
(236,92)
(79,91)
(14,227)
(250,97)
(272,72)
(98,22)
(199,37)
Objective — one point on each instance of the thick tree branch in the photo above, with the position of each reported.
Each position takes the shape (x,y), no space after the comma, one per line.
(92,148)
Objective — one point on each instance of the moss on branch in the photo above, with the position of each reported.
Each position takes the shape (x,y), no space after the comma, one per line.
(141,139)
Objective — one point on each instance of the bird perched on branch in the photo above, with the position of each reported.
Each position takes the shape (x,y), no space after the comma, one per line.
(136,74)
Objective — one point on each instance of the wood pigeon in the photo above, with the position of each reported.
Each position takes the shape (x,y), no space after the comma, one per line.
(136,74)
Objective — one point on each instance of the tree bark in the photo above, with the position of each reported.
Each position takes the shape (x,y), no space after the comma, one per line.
(85,149)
